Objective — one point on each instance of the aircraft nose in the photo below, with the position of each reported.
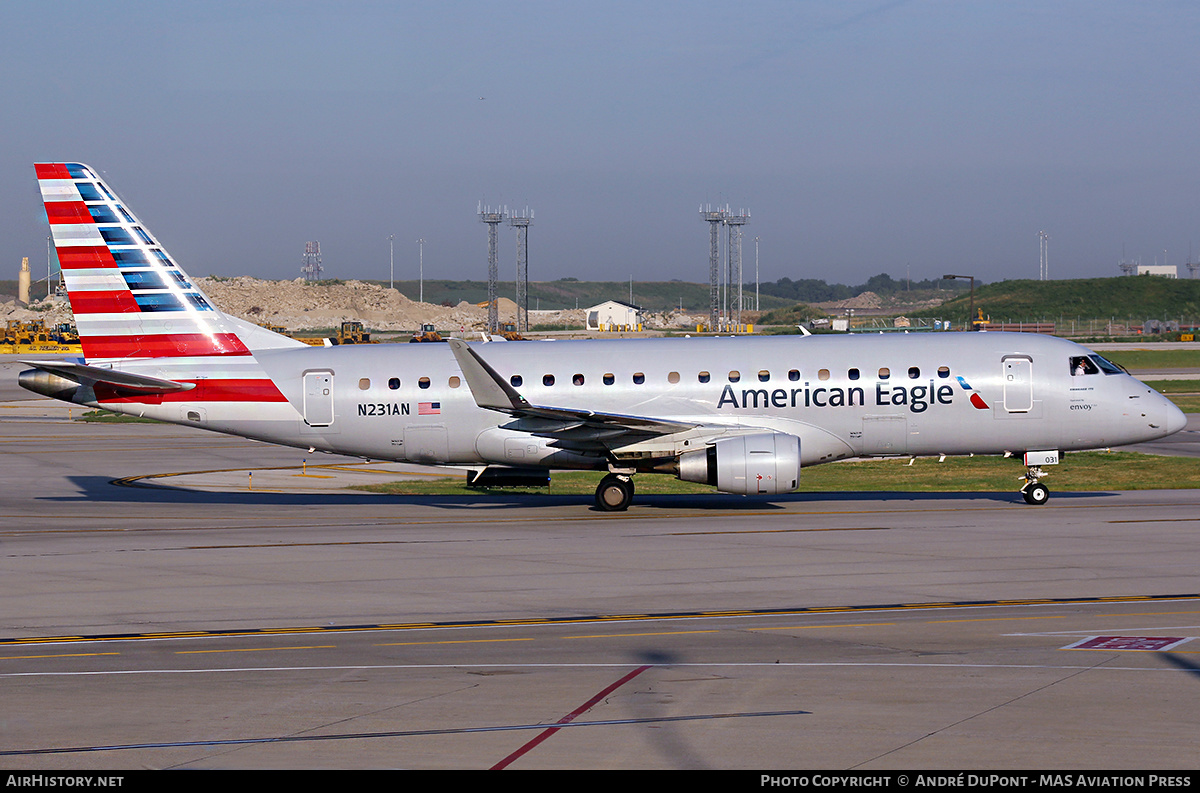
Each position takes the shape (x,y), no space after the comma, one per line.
(1176,418)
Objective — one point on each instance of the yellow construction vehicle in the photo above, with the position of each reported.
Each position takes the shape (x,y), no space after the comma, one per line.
(980,323)
(508,331)
(352,332)
(427,333)
(26,337)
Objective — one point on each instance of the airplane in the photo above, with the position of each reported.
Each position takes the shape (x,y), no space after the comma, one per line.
(744,414)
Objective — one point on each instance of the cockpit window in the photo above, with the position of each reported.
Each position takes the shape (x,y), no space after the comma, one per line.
(1081,365)
(1106,366)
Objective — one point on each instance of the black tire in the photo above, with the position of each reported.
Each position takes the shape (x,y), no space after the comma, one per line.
(1036,494)
(614,494)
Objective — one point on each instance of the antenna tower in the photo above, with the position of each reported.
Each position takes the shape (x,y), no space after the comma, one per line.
(1044,240)
(714,219)
(735,223)
(521,223)
(311,269)
(493,220)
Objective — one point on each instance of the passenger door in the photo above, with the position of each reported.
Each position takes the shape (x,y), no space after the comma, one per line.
(1018,383)
(318,399)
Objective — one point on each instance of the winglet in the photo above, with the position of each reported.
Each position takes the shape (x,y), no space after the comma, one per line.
(487,386)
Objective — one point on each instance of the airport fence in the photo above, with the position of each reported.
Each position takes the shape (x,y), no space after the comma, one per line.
(1067,327)
(1086,327)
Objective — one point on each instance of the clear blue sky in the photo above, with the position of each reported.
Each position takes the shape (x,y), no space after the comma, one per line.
(863,136)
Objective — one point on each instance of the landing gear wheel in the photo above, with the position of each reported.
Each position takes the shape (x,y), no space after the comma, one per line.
(614,493)
(1036,494)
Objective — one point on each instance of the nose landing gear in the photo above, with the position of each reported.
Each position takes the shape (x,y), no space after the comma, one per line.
(1034,492)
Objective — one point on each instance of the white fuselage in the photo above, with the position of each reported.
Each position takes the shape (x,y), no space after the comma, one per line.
(843,396)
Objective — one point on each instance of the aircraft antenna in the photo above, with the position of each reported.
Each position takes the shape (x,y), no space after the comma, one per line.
(522,222)
(493,220)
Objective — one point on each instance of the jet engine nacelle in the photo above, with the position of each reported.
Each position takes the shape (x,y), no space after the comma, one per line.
(47,384)
(767,463)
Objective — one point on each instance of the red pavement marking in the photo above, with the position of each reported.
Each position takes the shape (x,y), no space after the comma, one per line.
(568,718)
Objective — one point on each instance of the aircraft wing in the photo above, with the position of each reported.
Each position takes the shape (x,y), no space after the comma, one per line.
(492,392)
(117,380)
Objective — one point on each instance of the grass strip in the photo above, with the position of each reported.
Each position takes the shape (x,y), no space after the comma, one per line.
(1087,471)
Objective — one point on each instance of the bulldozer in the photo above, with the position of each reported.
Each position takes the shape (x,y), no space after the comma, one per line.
(426,333)
(352,332)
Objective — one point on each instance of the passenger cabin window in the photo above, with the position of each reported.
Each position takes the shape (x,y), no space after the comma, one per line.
(914,372)
(884,373)
(423,382)
(823,374)
(577,379)
(364,384)
(1081,365)
(547,380)
(638,378)
(794,375)
(394,383)
(455,382)
(943,371)
(609,378)
(734,376)
(764,376)
(515,381)
(673,377)
(704,377)
(852,374)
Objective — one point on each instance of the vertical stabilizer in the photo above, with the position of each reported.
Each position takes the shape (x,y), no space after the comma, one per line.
(130,299)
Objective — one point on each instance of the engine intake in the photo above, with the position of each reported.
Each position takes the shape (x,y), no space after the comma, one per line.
(766,463)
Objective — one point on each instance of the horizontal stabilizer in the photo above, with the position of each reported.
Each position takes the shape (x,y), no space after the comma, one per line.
(117,380)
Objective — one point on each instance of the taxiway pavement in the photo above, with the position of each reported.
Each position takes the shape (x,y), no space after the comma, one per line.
(205,624)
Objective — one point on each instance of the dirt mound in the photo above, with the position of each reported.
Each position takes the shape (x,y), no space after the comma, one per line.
(299,305)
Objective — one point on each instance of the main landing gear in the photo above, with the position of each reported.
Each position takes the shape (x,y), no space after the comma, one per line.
(1034,492)
(614,493)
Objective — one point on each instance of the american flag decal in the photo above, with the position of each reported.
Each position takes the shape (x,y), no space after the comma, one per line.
(429,408)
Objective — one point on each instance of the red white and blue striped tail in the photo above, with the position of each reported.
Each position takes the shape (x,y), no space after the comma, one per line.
(131,300)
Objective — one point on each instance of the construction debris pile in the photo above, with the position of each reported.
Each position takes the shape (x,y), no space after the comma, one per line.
(299,305)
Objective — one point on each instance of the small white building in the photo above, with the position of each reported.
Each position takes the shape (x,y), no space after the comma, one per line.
(1164,270)
(614,314)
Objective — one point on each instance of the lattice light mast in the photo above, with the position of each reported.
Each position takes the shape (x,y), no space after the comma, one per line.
(521,223)
(493,220)
(311,268)
(421,270)
(735,223)
(714,219)
(1044,239)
